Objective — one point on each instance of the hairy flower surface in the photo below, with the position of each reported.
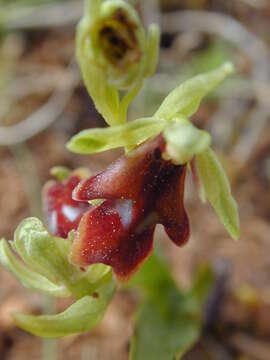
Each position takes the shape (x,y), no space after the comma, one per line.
(139,190)
(62,213)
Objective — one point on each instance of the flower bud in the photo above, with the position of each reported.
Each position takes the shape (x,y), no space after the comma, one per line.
(114,54)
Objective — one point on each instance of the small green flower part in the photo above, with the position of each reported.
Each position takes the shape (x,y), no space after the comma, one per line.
(47,255)
(129,135)
(29,278)
(216,188)
(60,172)
(184,141)
(186,98)
(114,53)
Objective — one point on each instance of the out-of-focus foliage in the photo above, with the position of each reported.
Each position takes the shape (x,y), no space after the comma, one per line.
(169,321)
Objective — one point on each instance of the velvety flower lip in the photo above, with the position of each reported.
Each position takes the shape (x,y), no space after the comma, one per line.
(62,213)
(140,190)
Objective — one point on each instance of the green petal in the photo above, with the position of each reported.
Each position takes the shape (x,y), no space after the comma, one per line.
(186,98)
(217,190)
(80,317)
(27,277)
(184,141)
(128,135)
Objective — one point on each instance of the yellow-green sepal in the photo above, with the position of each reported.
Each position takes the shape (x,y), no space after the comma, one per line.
(128,135)
(29,278)
(186,98)
(217,190)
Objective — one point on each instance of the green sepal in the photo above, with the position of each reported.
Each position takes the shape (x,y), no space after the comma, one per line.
(47,255)
(216,188)
(105,97)
(186,98)
(184,141)
(127,135)
(80,317)
(28,277)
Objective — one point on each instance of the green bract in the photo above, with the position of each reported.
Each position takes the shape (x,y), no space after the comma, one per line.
(114,53)
(217,190)
(45,267)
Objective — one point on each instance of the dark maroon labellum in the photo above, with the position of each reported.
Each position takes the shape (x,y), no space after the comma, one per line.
(140,190)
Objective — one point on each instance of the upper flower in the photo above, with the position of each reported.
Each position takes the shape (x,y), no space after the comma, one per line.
(140,190)
(114,54)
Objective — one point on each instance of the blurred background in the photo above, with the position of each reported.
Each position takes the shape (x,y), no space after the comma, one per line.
(43,103)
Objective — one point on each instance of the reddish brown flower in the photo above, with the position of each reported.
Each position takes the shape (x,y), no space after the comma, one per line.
(62,213)
(140,190)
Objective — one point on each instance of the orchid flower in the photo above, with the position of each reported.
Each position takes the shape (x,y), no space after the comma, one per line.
(140,190)
(62,213)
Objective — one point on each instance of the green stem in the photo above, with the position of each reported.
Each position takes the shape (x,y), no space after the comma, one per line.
(49,350)
(32,186)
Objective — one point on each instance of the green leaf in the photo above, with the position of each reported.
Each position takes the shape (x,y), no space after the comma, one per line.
(128,135)
(27,277)
(186,98)
(80,317)
(184,141)
(169,322)
(155,280)
(48,256)
(217,190)
(161,336)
